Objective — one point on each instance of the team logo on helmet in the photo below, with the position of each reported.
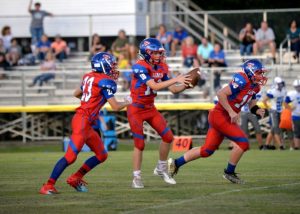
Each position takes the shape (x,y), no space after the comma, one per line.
(146,43)
(250,66)
(105,56)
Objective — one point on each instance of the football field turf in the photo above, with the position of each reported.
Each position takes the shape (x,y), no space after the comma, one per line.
(272,184)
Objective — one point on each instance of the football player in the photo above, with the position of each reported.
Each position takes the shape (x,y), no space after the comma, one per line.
(293,97)
(276,96)
(224,116)
(97,88)
(150,74)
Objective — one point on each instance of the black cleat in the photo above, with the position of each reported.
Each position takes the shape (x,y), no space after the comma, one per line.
(232,177)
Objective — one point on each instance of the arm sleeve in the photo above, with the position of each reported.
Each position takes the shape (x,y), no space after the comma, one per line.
(237,83)
(108,86)
(141,73)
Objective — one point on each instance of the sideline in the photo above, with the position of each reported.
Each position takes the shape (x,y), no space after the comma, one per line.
(213,194)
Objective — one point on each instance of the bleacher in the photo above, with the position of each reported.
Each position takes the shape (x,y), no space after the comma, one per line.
(15,88)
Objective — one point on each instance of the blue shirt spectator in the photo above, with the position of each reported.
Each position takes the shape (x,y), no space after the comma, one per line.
(178,38)
(43,47)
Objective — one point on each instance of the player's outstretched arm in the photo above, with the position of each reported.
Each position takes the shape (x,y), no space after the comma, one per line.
(29,6)
(177,88)
(184,79)
(117,105)
(77,93)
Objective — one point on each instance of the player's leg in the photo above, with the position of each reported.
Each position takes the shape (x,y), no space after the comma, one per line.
(275,118)
(95,143)
(158,122)
(236,134)
(254,120)
(135,119)
(213,139)
(75,144)
(296,132)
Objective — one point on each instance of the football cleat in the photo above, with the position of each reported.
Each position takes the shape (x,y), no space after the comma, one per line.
(232,177)
(164,175)
(172,168)
(137,183)
(77,183)
(48,189)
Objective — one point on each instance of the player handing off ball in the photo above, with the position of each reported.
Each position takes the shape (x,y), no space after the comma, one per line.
(150,74)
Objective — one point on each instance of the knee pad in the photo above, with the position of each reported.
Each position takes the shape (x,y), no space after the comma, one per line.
(168,137)
(205,152)
(139,144)
(102,157)
(70,157)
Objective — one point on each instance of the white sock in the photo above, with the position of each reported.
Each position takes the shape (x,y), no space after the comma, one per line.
(161,165)
(137,173)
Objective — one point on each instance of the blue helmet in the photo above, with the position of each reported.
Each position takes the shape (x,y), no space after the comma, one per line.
(255,70)
(148,46)
(106,63)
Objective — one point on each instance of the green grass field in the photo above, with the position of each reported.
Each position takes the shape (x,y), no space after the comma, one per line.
(272,184)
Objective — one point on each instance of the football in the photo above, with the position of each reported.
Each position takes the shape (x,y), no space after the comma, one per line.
(195,75)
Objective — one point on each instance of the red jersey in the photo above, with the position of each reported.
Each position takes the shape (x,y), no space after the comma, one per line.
(143,72)
(243,90)
(96,88)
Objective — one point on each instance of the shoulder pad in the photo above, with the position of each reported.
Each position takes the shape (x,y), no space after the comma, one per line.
(137,68)
(108,83)
(239,79)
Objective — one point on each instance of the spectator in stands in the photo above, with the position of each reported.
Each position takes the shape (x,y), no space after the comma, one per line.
(43,47)
(165,38)
(178,37)
(294,34)
(121,45)
(265,37)
(96,45)
(60,48)
(36,26)
(4,65)
(48,67)
(247,39)
(217,59)
(204,51)
(7,37)
(14,53)
(189,53)
(28,58)
(2,48)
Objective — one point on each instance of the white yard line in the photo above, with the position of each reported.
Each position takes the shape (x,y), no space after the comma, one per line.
(213,194)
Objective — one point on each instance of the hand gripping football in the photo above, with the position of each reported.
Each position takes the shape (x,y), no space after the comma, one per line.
(195,75)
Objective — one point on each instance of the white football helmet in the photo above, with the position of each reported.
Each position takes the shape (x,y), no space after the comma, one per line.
(296,83)
(279,83)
